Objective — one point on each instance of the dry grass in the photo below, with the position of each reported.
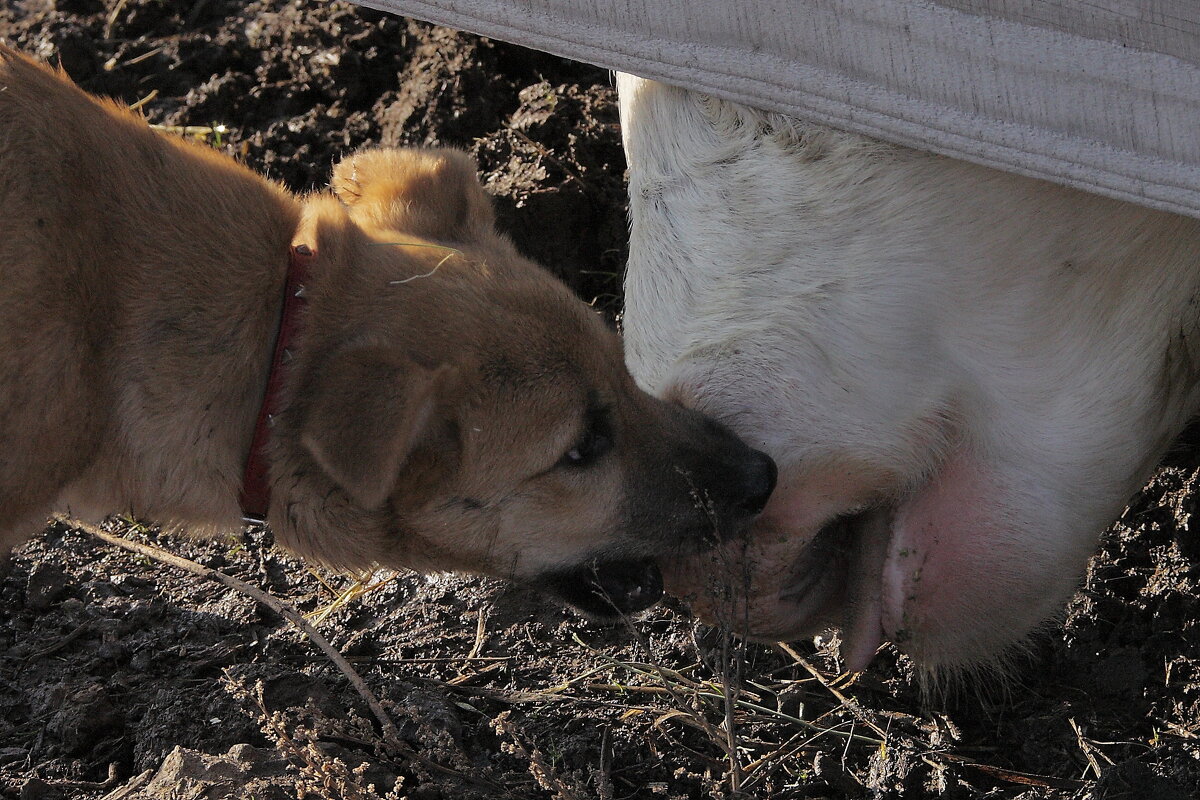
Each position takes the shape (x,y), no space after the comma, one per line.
(739,721)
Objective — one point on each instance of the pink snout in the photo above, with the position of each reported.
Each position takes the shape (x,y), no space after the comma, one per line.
(950,572)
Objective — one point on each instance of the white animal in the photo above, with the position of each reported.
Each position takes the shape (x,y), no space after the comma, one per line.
(963,374)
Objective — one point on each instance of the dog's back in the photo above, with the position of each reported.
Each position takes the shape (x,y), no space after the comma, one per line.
(88,196)
(48,414)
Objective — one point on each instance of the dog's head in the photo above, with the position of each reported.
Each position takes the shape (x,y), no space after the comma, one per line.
(454,406)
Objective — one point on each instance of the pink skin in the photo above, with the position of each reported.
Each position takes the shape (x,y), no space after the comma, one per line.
(956,547)
(937,551)
(898,571)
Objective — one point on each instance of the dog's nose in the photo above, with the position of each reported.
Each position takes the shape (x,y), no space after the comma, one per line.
(758,481)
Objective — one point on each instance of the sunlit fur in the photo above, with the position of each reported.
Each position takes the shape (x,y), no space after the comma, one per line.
(435,385)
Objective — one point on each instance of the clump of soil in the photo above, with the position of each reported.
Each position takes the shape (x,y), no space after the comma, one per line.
(121,678)
(297,85)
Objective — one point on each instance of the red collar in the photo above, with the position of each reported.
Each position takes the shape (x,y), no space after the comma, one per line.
(256,488)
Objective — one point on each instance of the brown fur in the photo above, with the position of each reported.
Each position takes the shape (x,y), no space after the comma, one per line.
(439,380)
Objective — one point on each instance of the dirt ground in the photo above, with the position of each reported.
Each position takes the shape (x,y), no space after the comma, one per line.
(125,679)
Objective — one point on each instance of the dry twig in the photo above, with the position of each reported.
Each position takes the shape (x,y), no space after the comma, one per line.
(542,772)
(391,735)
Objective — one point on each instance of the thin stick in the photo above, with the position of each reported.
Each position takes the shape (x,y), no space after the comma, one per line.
(664,676)
(730,693)
(391,735)
(112,18)
(284,610)
(153,94)
(59,645)
(199,131)
(453,252)
(546,154)
(850,705)
(542,772)
(480,635)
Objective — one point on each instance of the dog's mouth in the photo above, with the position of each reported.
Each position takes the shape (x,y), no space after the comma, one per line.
(834,580)
(842,569)
(607,590)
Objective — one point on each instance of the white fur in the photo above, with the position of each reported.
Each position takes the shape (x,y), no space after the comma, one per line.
(998,360)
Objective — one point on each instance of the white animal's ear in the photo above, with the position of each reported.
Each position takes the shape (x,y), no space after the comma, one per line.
(381,425)
(431,193)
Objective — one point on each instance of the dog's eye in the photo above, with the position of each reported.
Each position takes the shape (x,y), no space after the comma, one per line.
(595,442)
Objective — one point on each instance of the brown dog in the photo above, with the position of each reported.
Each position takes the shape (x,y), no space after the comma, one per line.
(447,404)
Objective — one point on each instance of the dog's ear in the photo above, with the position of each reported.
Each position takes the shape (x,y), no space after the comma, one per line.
(379,423)
(431,193)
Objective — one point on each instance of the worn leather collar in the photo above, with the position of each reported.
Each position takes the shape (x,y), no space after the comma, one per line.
(256,488)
